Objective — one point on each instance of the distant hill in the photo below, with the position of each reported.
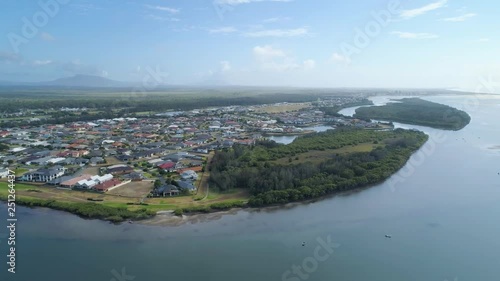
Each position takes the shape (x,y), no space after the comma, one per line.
(81,80)
(76,81)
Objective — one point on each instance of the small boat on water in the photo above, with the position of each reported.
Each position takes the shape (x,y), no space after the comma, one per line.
(388,236)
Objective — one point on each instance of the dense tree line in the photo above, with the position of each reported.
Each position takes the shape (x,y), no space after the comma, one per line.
(63,117)
(418,112)
(253,168)
(113,105)
(138,102)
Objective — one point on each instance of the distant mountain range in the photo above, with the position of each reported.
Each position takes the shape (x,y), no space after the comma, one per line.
(85,81)
(80,80)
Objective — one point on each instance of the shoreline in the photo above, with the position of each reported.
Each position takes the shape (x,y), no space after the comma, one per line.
(290,134)
(169,219)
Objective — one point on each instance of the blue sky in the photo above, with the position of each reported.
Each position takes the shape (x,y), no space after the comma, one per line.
(309,43)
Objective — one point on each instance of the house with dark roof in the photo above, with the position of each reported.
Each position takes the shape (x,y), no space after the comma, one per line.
(44,175)
(175,157)
(186,185)
(120,170)
(142,154)
(166,190)
(124,158)
(76,161)
(134,176)
(96,160)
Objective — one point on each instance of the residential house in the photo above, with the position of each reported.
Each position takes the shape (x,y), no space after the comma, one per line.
(106,186)
(73,181)
(166,190)
(4,173)
(189,175)
(186,185)
(44,175)
(76,161)
(120,169)
(124,158)
(134,176)
(168,166)
(93,181)
(96,160)
(227,143)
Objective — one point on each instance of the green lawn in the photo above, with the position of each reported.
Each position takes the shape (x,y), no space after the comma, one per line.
(20,171)
(4,187)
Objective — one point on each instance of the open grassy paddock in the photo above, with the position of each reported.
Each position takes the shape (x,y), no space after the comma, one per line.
(135,189)
(281,108)
(317,156)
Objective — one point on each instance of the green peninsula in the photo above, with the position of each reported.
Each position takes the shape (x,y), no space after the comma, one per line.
(416,111)
(313,165)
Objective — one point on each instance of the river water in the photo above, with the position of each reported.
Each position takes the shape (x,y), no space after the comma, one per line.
(442,211)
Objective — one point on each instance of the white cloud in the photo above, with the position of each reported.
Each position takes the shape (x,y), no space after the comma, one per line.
(408,14)
(340,59)
(278,33)
(277,60)
(309,64)
(277,19)
(225,66)
(226,29)
(46,36)
(42,62)
(163,8)
(267,52)
(484,40)
(85,8)
(409,35)
(460,18)
(238,2)
(160,18)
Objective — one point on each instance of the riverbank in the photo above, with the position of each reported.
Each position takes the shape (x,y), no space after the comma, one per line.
(169,219)
(289,134)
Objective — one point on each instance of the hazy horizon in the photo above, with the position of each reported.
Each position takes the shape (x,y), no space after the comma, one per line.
(445,44)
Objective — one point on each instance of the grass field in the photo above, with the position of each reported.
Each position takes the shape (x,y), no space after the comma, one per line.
(283,108)
(91,171)
(112,161)
(320,156)
(135,189)
(20,171)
